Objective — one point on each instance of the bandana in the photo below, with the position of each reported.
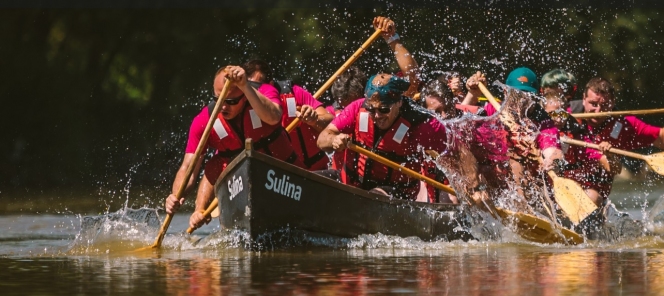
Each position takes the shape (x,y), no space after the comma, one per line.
(390,92)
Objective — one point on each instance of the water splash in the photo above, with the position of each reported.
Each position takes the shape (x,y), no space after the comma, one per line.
(125,229)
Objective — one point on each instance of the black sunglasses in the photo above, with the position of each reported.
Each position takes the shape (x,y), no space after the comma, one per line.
(232,101)
(382,109)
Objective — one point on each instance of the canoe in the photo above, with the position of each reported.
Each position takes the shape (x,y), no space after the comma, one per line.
(261,195)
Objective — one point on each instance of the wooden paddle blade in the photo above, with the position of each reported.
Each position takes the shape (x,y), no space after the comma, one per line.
(572,199)
(656,162)
(539,230)
(215,213)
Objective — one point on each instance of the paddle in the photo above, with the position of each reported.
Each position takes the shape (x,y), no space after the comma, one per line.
(576,204)
(190,169)
(655,161)
(213,206)
(571,198)
(530,227)
(334,76)
(618,113)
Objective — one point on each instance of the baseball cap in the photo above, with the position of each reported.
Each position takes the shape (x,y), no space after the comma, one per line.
(388,93)
(523,79)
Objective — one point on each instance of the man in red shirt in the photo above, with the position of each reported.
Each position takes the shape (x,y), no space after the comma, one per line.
(593,169)
(389,124)
(246,113)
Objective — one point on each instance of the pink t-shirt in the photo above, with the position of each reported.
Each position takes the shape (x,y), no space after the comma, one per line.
(201,120)
(549,133)
(625,133)
(422,133)
(302,97)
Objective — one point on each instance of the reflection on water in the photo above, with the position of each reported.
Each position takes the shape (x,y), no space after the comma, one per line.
(51,254)
(461,270)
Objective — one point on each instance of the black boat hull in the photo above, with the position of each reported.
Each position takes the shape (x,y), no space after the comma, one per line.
(261,195)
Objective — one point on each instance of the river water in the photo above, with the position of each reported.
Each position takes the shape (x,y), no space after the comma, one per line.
(45,253)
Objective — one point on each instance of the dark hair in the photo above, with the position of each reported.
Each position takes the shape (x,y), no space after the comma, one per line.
(437,88)
(349,85)
(560,78)
(601,86)
(252,66)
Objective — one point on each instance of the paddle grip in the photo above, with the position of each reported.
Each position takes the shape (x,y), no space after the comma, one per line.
(207,212)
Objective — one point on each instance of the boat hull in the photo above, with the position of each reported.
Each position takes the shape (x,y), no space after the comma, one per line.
(261,195)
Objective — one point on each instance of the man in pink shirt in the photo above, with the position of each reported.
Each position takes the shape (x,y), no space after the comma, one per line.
(296,102)
(593,169)
(388,124)
(246,113)
(533,139)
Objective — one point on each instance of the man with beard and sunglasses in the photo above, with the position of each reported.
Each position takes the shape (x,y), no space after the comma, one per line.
(388,124)
(245,113)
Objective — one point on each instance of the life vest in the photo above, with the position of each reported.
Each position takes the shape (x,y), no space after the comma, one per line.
(467,108)
(339,156)
(395,144)
(269,139)
(303,137)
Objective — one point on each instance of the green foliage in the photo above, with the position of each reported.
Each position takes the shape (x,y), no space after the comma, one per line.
(96,96)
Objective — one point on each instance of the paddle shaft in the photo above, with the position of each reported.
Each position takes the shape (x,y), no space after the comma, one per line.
(208,211)
(334,76)
(400,168)
(595,146)
(199,149)
(618,113)
(489,96)
(492,100)
(567,236)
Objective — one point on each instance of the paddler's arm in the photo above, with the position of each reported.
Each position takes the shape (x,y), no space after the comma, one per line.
(317,118)
(609,161)
(331,139)
(404,58)
(172,202)
(474,92)
(203,198)
(659,142)
(267,111)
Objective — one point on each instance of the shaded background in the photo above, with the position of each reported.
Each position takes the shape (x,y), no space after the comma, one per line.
(102,98)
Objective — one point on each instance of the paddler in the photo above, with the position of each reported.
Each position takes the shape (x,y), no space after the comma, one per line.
(533,138)
(389,124)
(296,102)
(433,99)
(247,112)
(593,169)
(349,86)
(486,140)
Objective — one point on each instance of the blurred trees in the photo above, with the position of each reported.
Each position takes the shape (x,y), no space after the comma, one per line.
(100,97)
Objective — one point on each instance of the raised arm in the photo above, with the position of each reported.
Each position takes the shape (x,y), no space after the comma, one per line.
(404,58)
(267,111)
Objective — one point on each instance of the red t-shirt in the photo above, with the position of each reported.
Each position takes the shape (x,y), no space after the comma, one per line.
(429,135)
(301,97)
(625,133)
(201,120)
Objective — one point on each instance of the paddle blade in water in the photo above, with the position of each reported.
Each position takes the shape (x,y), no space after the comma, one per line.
(539,230)
(572,199)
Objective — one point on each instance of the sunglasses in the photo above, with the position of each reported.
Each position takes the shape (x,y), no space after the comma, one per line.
(559,114)
(232,101)
(382,109)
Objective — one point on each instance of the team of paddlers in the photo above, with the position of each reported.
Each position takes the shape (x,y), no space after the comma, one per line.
(439,128)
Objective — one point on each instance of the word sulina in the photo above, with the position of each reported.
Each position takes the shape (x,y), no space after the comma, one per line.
(235,187)
(283,186)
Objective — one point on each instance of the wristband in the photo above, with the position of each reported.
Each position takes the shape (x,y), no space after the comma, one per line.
(393,38)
